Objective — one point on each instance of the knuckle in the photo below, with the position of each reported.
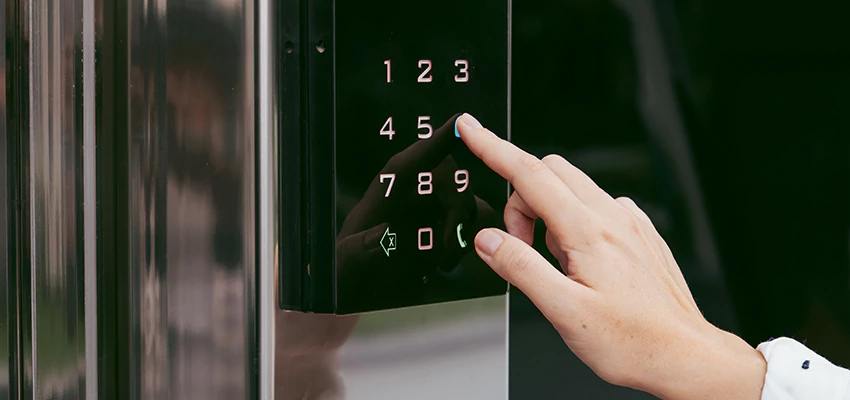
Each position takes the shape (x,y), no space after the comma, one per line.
(631,214)
(531,164)
(626,201)
(634,223)
(517,261)
(553,159)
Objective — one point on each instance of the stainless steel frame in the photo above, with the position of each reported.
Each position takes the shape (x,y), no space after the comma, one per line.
(191,194)
(7,285)
(55,341)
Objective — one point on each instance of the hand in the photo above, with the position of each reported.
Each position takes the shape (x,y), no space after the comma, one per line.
(622,306)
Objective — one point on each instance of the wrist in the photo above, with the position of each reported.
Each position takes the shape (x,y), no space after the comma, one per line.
(713,364)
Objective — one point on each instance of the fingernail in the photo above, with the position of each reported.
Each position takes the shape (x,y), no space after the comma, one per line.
(467,120)
(470,121)
(488,241)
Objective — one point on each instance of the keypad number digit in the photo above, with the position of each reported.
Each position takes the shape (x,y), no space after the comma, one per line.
(423,124)
(463,74)
(387,129)
(426,238)
(388,63)
(425,76)
(391,177)
(462,179)
(425,186)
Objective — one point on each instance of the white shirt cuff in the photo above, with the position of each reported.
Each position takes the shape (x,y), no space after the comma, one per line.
(796,373)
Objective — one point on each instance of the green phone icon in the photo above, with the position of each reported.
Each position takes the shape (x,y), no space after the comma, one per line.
(459,238)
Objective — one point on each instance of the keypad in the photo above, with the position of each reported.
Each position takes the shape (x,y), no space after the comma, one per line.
(407,189)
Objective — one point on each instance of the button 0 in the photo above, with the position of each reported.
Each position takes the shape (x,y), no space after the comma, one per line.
(426,238)
(388,241)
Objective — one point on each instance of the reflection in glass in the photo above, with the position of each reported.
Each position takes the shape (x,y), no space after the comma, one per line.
(190,199)
(54,341)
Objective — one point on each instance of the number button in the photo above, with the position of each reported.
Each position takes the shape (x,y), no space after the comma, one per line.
(387,129)
(462,179)
(423,124)
(425,76)
(388,63)
(463,74)
(384,177)
(425,186)
(426,238)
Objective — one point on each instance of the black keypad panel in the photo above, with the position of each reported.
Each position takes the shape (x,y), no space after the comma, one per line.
(409,195)
(380,200)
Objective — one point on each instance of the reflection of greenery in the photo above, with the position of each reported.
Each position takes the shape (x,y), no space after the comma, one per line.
(434,314)
(56,351)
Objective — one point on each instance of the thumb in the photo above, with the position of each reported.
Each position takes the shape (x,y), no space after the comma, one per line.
(516,262)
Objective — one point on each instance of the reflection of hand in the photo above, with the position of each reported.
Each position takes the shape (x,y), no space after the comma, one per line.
(430,155)
(307,351)
(623,307)
(367,273)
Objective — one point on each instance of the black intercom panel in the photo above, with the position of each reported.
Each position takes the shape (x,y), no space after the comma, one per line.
(380,199)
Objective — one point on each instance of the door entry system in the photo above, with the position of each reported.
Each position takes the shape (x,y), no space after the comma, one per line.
(380,200)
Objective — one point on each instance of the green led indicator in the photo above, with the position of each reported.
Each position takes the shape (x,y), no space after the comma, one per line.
(388,242)
(459,237)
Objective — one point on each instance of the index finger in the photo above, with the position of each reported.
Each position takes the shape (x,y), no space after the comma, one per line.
(541,189)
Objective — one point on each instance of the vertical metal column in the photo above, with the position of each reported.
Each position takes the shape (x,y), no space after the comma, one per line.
(54,338)
(7,286)
(191,199)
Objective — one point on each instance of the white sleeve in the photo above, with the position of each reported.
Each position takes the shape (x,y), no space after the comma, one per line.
(796,373)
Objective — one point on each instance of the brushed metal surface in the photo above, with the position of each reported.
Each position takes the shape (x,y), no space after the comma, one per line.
(6,286)
(54,340)
(191,199)
(454,350)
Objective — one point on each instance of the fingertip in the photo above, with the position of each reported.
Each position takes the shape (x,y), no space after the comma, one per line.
(465,125)
(487,241)
(467,121)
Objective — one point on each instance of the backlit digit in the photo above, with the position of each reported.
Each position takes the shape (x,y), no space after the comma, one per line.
(423,124)
(462,179)
(425,186)
(428,235)
(425,76)
(388,63)
(387,129)
(391,177)
(463,75)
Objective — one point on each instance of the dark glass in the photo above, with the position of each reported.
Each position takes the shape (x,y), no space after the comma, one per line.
(438,64)
(408,197)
